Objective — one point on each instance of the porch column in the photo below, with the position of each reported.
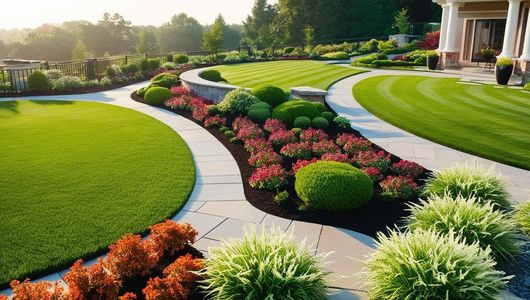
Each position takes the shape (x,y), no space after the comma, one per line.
(443,27)
(510,33)
(526,47)
(451,42)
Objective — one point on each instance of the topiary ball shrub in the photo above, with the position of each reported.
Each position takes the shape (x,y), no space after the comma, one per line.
(469,179)
(334,186)
(302,122)
(141,91)
(157,95)
(428,265)
(470,219)
(168,80)
(270,94)
(211,75)
(328,115)
(290,110)
(320,106)
(260,105)
(180,59)
(522,217)
(153,63)
(238,102)
(320,123)
(265,266)
(38,82)
(259,115)
(160,76)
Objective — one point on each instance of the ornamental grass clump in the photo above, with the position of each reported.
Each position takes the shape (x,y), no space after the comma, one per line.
(469,179)
(424,264)
(522,217)
(264,266)
(470,219)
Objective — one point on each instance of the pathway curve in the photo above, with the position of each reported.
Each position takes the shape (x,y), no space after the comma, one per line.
(217,207)
(408,146)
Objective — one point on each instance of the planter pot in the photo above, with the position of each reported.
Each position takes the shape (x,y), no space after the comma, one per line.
(432,62)
(503,74)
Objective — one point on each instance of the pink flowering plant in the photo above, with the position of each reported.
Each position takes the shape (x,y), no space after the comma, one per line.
(215,121)
(257,144)
(200,112)
(269,177)
(357,144)
(338,157)
(397,187)
(366,159)
(374,173)
(282,137)
(241,122)
(313,135)
(249,132)
(264,158)
(325,146)
(407,168)
(273,125)
(297,150)
(180,91)
(179,102)
(344,138)
(302,163)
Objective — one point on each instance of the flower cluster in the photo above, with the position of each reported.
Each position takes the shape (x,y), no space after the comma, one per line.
(302,163)
(357,144)
(178,102)
(374,173)
(199,108)
(297,150)
(273,125)
(264,158)
(214,121)
(269,177)
(170,237)
(344,138)
(180,90)
(338,157)
(241,122)
(366,159)
(257,144)
(313,135)
(282,137)
(249,132)
(325,147)
(394,187)
(407,168)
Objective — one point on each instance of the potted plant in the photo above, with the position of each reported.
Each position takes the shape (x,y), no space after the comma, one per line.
(488,54)
(503,70)
(432,59)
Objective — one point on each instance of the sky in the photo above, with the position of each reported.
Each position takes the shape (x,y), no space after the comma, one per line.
(32,13)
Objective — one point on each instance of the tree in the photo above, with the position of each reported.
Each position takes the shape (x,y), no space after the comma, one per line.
(401,21)
(146,42)
(212,40)
(180,34)
(80,51)
(261,28)
(309,33)
(232,36)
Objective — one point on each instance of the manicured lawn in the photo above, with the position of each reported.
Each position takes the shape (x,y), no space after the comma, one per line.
(76,176)
(286,74)
(485,120)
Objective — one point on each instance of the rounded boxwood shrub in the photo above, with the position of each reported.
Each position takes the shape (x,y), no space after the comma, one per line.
(320,106)
(160,76)
(141,91)
(237,101)
(180,59)
(38,82)
(290,110)
(260,105)
(259,115)
(157,95)
(270,94)
(302,122)
(211,75)
(144,65)
(167,81)
(320,123)
(265,266)
(333,186)
(470,219)
(469,179)
(153,63)
(328,115)
(424,264)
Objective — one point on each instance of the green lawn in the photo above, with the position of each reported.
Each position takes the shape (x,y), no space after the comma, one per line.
(486,120)
(76,176)
(286,74)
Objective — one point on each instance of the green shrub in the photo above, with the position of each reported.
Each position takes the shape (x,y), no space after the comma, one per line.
(393,63)
(336,55)
(504,62)
(234,140)
(159,76)
(153,63)
(333,186)
(259,115)
(38,82)
(180,59)
(474,221)
(266,266)
(105,81)
(169,66)
(130,69)
(169,58)
(288,50)
(113,71)
(141,91)
(320,123)
(53,74)
(432,53)
(370,46)
(522,217)
(157,95)
(211,75)
(281,198)
(342,122)
(527,86)
(230,134)
(428,265)
(237,102)
(298,130)
(166,80)
(270,94)
(369,59)
(320,106)
(260,105)
(290,110)
(302,122)
(469,180)
(68,83)
(213,110)
(327,115)
(144,65)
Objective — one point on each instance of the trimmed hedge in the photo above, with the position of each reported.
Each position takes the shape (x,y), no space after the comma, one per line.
(211,75)
(290,110)
(334,186)
(38,82)
(336,55)
(260,105)
(259,115)
(157,95)
(270,94)
(393,63)
(369,59)
(237,101)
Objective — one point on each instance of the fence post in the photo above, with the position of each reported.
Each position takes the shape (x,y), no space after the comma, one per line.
(146,56)
(91,68)
(125,59)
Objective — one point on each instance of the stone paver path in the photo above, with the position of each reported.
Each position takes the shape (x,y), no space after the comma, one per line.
(218,209)
(408,146)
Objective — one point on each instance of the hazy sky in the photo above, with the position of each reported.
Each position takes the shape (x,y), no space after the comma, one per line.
(32,13)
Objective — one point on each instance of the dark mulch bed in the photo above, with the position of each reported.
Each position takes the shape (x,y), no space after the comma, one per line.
(378,215)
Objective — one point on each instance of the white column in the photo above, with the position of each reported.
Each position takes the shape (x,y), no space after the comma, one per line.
(443,27)
(451,42)
(526,47)
(510,33)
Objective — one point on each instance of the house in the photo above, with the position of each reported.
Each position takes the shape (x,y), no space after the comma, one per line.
(471,25)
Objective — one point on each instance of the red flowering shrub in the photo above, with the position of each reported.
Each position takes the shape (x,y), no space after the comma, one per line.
(249,132)
(170,237)
(180,90)
(264,158)
(344,138)
(257,144)
(273,125)
(269,177)
(184,268)
(179,102)
(91,283)
(357,144)
(241,122)
(302,163)
(214,121)
(199,108)
(297,150)
(431,41)
(338,157)
(313,135)
(130,256)
(366,159)
(324,147)
(397,187)
(168,288)
(43,290)
(128,296)
(374,173)
(282,137)
(407,168)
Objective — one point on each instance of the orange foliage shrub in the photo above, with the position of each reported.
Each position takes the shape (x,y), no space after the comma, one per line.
(183,268)
(91,283)
(170,237)
(43,290)
(168,288)
(128,296)
(131,256)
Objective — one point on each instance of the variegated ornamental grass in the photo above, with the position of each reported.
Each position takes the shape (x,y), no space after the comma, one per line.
(264,266)
(522,217)
(424,264)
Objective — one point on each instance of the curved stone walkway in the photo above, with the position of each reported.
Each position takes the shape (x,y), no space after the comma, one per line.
(408,146)
(217,207)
